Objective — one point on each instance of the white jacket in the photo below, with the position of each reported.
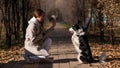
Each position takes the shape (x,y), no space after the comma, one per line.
(33,37)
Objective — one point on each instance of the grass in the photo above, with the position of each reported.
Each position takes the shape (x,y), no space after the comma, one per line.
(67,25)
(47,25)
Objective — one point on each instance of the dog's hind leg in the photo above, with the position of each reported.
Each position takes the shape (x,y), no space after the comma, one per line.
(78,58)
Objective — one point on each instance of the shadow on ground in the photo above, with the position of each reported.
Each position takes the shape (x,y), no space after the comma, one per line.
(24,64)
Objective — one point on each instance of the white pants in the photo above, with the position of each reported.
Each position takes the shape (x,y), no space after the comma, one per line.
(46,44)
(32,50)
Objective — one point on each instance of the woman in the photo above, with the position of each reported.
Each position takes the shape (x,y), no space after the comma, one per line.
(37,42)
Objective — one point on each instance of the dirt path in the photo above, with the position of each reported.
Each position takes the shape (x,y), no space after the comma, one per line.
(61,34)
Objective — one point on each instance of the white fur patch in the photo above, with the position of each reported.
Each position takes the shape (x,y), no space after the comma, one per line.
(71,30)
(75,41)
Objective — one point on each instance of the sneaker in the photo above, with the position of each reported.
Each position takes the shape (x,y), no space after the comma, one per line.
(44,52)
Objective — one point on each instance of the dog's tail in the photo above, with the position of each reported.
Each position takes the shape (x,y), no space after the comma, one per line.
(102,57)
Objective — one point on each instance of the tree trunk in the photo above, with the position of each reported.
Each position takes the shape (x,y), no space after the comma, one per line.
(101,34)
(0,29)
(14,19)
(101,26)
(18,21)
(23,19)
(112,38)
(8,38)
(7,23)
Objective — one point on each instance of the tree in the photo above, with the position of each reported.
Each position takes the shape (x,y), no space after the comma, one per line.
(12,16)
(111,9)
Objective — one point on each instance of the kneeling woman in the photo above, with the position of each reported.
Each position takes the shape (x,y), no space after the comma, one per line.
(37,42)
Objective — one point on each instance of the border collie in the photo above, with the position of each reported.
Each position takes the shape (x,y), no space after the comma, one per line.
(80,42)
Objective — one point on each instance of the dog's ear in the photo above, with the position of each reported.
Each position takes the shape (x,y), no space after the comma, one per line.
(80,23)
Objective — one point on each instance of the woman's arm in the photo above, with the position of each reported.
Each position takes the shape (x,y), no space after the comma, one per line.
(50,30)
(31,34)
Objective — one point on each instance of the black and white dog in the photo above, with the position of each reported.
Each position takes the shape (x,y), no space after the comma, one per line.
(81,44)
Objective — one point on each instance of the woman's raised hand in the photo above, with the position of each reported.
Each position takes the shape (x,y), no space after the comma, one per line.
(53,20)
